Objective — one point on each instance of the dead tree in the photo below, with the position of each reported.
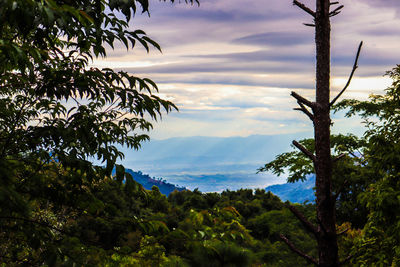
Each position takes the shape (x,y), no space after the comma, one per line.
(319,114)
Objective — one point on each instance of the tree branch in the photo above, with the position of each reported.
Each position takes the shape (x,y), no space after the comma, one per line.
(309,24)
(296,250)
(335,196)
(305,8)
(304,150)
(343,232)
(347,259)
(351,75)
(305,110)
(306,223)
(339,157)
(332,14)
(302,100)
(337,10)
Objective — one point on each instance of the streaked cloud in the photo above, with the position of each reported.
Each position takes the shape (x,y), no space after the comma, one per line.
(274,39)
(230,65)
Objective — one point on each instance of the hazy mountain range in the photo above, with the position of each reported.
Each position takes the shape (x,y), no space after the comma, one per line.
(298,192)
(211,163)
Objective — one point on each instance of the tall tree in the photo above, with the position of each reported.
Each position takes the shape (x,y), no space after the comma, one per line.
(319,114)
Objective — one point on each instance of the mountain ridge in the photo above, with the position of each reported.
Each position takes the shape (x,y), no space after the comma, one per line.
(298,192)
(148,182)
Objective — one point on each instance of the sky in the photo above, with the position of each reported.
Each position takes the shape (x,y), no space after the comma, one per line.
(230,65)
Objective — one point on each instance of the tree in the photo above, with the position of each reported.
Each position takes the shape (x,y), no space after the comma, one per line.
(319,114)
(367,177)
(57,113)
(379,242)
(349,176)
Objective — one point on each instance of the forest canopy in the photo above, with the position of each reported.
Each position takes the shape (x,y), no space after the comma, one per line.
(59,209)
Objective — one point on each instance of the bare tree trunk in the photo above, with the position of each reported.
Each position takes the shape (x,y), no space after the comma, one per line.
(326,238)
(325,231)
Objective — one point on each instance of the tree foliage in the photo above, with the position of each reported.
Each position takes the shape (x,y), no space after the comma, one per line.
(57,113)
(379,242)
(52,100)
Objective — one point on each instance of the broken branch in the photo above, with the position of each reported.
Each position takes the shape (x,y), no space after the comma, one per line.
(334,14)
(336,11)
(304,7)
(305,111)
(296,250)
(351,75)
(304,150)
(302,100)
(306,223)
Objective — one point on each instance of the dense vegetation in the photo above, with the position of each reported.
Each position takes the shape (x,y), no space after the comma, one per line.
(58,209)
(112,223)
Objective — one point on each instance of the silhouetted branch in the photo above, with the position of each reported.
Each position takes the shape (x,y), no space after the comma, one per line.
(351,75)
(302,100)
(296,250)
(333,3)
(305,110)
(306,223)
(309,24)
(336,11)
(352,153)
(304,150)
(303,7)
(334,14)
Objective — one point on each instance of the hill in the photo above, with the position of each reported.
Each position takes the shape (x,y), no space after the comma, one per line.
(298,192)
(148,182)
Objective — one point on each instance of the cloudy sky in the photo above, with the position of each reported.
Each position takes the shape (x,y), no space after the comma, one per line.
(230,65)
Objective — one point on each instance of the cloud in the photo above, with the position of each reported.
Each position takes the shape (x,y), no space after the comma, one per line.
(230,64)
(275,39)
(387,4)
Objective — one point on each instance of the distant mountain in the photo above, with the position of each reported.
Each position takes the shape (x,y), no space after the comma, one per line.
(148,182)
(205,155)
(211,163)
(219,182)
(298,192)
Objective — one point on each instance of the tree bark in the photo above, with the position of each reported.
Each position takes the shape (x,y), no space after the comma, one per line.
(326,238)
